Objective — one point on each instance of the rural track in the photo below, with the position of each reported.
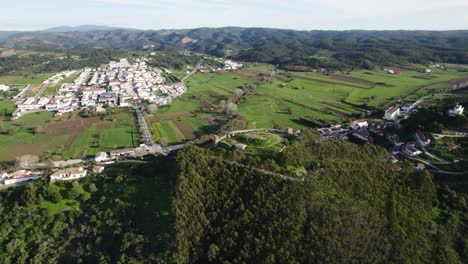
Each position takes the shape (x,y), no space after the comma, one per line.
(267,172)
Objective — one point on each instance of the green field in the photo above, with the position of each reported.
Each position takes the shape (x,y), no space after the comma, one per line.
(122,133)
(25,80)
(7,107)
(291,97)
(163,131)
(19,137)
(402,85)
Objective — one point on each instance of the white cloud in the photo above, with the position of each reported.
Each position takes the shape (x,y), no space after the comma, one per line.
(373,8)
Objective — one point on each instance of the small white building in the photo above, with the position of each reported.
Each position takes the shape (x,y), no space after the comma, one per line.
(392,114)
(411,151)
(422,140)
(69,174)
(360,123)
(102,156)
(4,88)
(98,169)
(456,110)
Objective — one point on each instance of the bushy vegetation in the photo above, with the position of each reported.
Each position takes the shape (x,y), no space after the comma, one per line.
(122,217)
(354,207)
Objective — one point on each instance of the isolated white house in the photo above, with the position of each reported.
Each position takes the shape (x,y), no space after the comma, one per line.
(456,110)
(4,88)
(101,157)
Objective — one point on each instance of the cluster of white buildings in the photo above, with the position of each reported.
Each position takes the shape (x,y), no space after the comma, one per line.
(117,84)
(19,176)
(230,65)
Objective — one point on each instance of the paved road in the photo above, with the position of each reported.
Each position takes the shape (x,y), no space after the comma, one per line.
(22,93)
(440,160)
(145,133)
(169,149)
(448,172)
(452,134)
(39,94)
(190,74)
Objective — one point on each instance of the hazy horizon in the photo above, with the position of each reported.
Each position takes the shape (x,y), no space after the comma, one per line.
(28,15)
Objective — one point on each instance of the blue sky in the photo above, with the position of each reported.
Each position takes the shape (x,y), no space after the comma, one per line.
(293,14)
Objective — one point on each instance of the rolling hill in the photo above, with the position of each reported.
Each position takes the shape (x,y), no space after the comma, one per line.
(331,49)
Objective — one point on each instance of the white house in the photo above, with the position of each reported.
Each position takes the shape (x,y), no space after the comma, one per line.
(456,110)
(411,151)
(69,174)
(360,123)
(4,88)
(101,157)
(392,114)
(361,134)
(422,140)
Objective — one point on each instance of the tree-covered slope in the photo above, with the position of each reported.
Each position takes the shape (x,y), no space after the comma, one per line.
(331,49)
(353,207)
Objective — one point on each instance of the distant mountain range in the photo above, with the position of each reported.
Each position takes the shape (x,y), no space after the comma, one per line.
(84,28)
(332,49)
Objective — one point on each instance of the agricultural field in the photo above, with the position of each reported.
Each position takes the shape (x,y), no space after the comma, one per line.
(113,131)
(293,99)
(194,113)
(66,137)
(409,84)
(175,128)
(25,80)
(27,136)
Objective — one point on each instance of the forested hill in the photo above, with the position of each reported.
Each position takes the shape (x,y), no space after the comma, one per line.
(331,49)
(354,207)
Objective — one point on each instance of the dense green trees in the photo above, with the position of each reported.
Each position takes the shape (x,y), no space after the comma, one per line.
(70,223)
(328,49)
(354,207)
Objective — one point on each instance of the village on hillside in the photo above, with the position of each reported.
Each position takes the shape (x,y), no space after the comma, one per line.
(117,84)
